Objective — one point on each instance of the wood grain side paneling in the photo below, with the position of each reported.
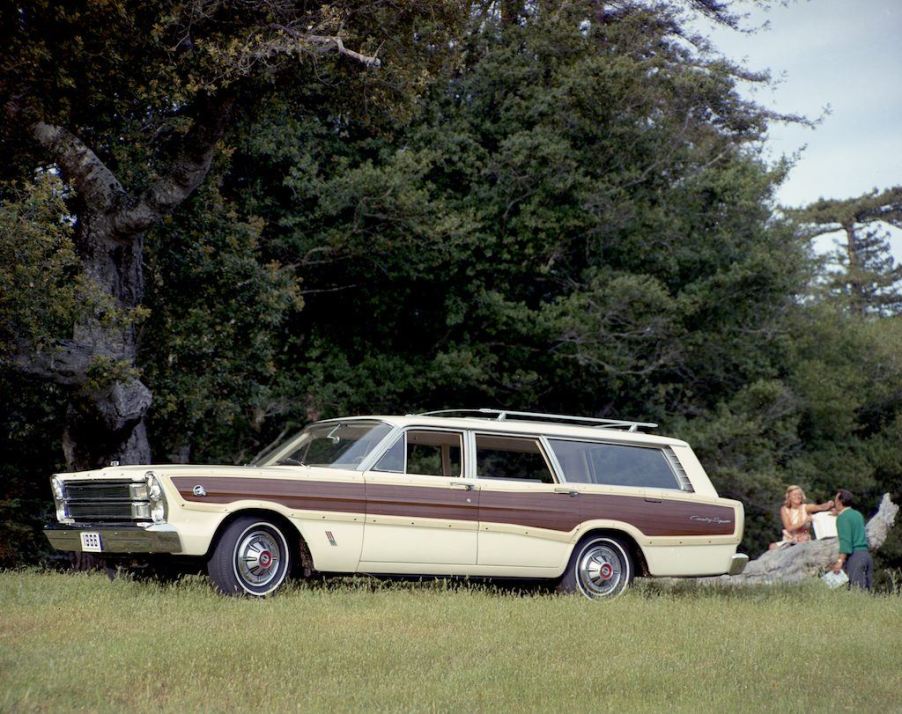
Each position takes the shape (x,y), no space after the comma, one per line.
(552,511)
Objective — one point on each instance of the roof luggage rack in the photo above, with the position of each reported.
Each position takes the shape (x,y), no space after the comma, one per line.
(503,414)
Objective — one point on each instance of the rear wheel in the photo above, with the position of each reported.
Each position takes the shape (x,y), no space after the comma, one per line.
(599,568)
(252,557)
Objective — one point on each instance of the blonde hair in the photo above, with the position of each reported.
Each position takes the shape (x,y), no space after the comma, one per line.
(789,490)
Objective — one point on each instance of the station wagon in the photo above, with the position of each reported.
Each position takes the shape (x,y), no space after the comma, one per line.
(586,504)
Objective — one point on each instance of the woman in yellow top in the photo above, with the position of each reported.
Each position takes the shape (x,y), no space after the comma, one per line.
(796,517)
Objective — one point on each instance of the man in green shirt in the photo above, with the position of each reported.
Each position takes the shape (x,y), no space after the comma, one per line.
(853,542)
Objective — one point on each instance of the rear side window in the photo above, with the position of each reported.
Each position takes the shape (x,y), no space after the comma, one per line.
(511,458)
(614,464)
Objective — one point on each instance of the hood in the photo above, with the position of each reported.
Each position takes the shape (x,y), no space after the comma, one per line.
(136,473)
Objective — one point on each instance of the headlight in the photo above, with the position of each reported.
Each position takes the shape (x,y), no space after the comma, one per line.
(158,512)
(154,490)
(59,499)
(157,498)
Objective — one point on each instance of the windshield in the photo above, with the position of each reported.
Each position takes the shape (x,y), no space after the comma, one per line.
(336,444)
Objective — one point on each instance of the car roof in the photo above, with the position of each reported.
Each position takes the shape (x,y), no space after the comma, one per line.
(525,426)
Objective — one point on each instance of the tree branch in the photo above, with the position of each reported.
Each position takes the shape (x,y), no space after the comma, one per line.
(187,171)
(326,42)
(81,166)
(105,196)
(883,206)
(811,231)
(322,43)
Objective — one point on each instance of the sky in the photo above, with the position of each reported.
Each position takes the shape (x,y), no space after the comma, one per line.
(841,54)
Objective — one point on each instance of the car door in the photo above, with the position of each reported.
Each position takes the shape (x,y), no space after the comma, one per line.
(421,511)
(525,517)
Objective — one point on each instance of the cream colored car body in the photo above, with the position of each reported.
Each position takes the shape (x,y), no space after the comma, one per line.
(373,536)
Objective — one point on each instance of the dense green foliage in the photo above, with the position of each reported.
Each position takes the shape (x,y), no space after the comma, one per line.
(130,77)
(39,285)
(572,216)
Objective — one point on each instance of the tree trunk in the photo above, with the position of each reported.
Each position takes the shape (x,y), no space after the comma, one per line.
(108,401)
(853,273)
(105,418)
(106,426)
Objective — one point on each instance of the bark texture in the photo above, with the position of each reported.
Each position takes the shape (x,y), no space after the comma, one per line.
(105,418)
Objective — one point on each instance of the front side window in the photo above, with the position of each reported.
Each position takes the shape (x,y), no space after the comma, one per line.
(425,453)
(511,458)
(613,464)
(334,444)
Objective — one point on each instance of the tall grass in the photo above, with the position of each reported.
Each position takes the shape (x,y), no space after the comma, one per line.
(80,642)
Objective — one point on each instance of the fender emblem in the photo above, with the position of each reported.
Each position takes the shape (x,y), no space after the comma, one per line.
(199,490)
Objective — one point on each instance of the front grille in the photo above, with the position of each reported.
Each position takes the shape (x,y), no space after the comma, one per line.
(91,512)
(106,501)
(98,490)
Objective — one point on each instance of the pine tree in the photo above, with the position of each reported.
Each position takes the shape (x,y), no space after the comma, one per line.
(869,278)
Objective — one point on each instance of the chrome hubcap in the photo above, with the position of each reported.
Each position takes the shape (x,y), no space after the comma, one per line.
(257,557)
(600,571)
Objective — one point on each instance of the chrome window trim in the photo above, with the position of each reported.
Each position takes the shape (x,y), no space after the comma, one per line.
(470,462)
(557,470)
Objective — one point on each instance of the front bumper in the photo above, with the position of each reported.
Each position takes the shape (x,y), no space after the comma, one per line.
(738,563)
(116,539)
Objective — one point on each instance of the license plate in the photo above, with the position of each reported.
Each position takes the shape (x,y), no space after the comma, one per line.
(90,542)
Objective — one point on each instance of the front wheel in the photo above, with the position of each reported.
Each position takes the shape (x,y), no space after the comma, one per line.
(600,567)
(252,557)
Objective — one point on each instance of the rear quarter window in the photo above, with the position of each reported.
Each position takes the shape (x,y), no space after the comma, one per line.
(614,464)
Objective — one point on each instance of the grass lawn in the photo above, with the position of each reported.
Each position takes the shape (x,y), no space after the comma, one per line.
(79,642)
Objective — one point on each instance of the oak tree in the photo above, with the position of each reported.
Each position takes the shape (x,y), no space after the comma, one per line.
(128,103)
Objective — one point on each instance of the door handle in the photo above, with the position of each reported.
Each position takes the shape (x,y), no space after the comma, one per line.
(462,485)
(565,491)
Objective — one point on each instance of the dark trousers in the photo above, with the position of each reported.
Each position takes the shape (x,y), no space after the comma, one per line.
(859,568)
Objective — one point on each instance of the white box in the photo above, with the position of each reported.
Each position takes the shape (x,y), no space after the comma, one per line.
(824,525)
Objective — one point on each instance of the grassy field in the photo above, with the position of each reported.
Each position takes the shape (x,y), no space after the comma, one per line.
(80,642)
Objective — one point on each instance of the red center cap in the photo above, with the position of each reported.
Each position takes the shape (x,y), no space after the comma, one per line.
(265,559)
(606,571)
